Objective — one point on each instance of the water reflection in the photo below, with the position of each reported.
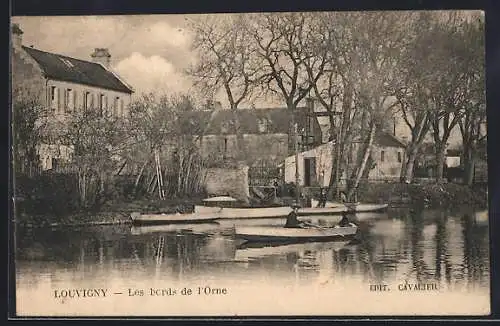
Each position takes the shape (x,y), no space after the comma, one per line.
(417,245)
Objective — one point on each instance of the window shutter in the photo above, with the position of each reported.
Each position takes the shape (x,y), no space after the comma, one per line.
(57,99)
(84,101)
(75,103)
(65,101)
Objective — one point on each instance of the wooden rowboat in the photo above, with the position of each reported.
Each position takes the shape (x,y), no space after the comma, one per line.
(244,212)
(303,234)
(355,208)
(145,219)
(281,211)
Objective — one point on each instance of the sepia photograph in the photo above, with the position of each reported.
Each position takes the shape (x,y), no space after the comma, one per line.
(329,163)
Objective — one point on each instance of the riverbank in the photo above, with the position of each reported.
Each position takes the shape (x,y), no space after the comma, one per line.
(395,194)
(432,195)
(111,213)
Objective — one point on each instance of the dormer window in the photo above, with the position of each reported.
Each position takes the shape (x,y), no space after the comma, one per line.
(263,125)
(67,62)
(224,127)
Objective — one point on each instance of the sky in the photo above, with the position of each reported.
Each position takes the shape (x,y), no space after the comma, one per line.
(149,52)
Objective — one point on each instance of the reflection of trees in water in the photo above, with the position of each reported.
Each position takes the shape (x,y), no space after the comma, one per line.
(375,258)
(476,251)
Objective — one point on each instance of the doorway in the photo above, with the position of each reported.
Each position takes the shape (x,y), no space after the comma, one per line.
(309,171)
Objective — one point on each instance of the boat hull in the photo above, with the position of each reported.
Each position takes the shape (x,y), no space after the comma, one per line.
(244,213)
(282,211)
(274,234)
(155,219)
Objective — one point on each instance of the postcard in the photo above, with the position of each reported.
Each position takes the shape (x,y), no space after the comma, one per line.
(250,164)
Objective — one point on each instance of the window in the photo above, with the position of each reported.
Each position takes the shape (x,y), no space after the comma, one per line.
(224,127)
(54,99)
(225,145)
(382,156)
(69,99)
(263,125)
(104,102)
(100,103)
(88,100)
(400,159)
(116,106)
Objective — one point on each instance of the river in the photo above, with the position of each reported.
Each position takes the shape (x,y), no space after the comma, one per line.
(402,262)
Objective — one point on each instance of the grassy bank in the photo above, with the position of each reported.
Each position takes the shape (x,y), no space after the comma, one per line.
(429,195)
(111,213)
(118,212)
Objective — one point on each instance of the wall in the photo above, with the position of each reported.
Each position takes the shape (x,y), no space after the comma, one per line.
(390,167)
(256,148)
(323,155)
(58,106)
(225,181)
(26,73)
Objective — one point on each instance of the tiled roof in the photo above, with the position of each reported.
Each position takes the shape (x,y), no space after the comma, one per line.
(69,69)
(385,139)
(221,121)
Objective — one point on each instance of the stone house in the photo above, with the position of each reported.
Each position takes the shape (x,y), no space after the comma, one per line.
(64,85)
(315,165)
(265,135)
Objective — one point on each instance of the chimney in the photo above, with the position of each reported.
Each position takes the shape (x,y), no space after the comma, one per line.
(17,36)
(102,56)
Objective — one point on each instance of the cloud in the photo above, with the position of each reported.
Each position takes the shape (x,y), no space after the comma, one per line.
(152,74)
(77,36)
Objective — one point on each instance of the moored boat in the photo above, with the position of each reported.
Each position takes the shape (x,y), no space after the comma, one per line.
(144,219)
(281,211)
(302,234)
(243,212)
(346,208)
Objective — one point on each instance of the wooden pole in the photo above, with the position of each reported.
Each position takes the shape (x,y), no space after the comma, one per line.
(295,142)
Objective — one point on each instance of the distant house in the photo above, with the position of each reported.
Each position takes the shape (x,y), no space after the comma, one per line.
(315,165)
(265,135)
(64,85)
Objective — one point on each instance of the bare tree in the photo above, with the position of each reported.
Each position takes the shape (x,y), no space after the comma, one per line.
(158,127)
(224,61)
(473,121)
(452,98)
(96,140)
(284,42)
(378,39)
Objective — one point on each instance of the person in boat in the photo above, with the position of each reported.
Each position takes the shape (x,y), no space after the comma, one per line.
(343,197)
(345,220)
(322,198)
(291,220)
